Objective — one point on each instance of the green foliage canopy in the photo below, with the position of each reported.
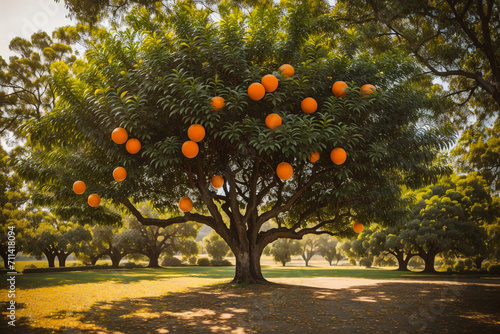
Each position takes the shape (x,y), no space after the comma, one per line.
(155,77)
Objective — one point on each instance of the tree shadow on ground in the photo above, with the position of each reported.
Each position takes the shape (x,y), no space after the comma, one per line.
(379,308)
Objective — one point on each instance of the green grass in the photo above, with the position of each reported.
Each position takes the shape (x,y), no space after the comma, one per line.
(20,265)
(125,276)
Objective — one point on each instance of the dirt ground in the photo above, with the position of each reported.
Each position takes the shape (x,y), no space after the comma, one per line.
(290,305)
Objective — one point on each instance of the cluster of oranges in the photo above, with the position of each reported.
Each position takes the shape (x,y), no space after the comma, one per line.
(196,133)
(132,145)
(269,83)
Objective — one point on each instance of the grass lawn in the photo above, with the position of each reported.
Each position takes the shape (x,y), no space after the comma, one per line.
(194,299)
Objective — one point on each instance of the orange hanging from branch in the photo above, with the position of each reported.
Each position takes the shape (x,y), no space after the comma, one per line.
(119,174)
(339,89)
(357,227)
(133,145)
(185,204)
(270,83)
(217,181)
(338,156)
(273,121)
(367,89)
(217,102)
(287,70)
(284,171)
(196,132)
(94,200)
(79,187)
(119,135)
(309,105)
(190,149)
(314,157)
(256,91)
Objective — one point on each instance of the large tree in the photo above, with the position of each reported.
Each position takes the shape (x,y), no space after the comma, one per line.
(457,40)
(156,77)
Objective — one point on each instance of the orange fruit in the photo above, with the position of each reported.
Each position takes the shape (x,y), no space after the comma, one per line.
(217,102)
(119,174)
(133,145)
(196,132)
(287,70)
(79,187)
(270,83)
(309,105)
(94,200)
(284,170)
(190,149)
(357,227)
(217,181)
(256,91)
(119,135)
(339,89)
(314,157)
(273,121)
(185,204)
(367,89)
(338,156)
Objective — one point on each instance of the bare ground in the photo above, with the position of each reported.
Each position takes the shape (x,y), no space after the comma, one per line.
(291,305)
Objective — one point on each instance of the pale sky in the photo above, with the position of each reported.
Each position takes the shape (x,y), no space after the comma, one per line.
(25,17)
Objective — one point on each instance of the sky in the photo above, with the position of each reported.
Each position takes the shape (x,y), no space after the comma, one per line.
(25,17)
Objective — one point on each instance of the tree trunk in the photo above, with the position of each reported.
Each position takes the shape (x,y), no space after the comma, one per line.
(93,260)
(429,259)
(115,260)
(153,260)
(62,259)
(50,258)
(5,258)
(478,261)
(248,268)
(283,262)
(402,261)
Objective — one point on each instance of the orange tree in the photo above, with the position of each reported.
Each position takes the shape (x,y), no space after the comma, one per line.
(156,76)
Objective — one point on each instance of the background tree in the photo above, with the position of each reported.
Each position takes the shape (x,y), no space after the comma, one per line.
(480,151)
(396,241)
(351,250)
(52,237)
(25,83)
(441,225)
(153,241)
(70,241)
(309,247)
(282,250)
(157,87)
(90,250)
(327,248)
(114,242)
(457,41)
(215,246)
(12,199)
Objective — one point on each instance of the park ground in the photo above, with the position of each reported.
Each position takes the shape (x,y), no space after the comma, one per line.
(337,299)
